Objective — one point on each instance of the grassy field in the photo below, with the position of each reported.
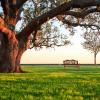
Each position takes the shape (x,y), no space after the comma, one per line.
(51,83)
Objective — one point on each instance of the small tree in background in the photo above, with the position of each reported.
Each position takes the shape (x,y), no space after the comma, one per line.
(92,43)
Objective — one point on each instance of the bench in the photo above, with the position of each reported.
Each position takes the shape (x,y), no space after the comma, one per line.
(71,62)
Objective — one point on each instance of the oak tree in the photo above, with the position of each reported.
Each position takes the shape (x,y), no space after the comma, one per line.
(13,44)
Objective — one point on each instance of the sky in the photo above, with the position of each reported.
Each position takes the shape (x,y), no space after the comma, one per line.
(58,54)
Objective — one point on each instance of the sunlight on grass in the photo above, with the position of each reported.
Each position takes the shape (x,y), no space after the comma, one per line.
(59,74)
(51,83)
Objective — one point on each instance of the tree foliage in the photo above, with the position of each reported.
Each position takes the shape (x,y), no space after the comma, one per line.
(82,17)
(92,42)
(37,17)
(48,35)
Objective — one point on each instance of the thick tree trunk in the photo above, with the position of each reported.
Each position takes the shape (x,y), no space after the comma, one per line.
(18,59)
(11,49)
(10,55)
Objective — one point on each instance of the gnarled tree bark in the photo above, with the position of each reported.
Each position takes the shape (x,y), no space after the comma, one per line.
(11,49)
(11,53)
(8,53)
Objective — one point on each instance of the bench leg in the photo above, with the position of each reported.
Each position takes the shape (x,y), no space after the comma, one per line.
(64,66)
(78,66)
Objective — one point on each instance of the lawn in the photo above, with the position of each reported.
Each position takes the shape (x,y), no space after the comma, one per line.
(47,82)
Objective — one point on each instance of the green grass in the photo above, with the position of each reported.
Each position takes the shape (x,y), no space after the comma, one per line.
(51,83)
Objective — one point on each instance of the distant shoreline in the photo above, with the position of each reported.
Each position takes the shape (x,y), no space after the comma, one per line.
(57,64)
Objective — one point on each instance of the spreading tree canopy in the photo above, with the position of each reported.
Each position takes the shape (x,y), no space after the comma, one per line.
(33,14)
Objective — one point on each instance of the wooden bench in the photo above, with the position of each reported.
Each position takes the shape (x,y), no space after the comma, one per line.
(71,62)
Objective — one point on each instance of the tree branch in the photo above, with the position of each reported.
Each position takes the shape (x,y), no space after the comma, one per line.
(20,3)
(10,35)
(83,13)
(78,24)
(36,22)
(11,8)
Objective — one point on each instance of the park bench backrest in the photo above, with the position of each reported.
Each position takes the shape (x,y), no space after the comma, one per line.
(70,62)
